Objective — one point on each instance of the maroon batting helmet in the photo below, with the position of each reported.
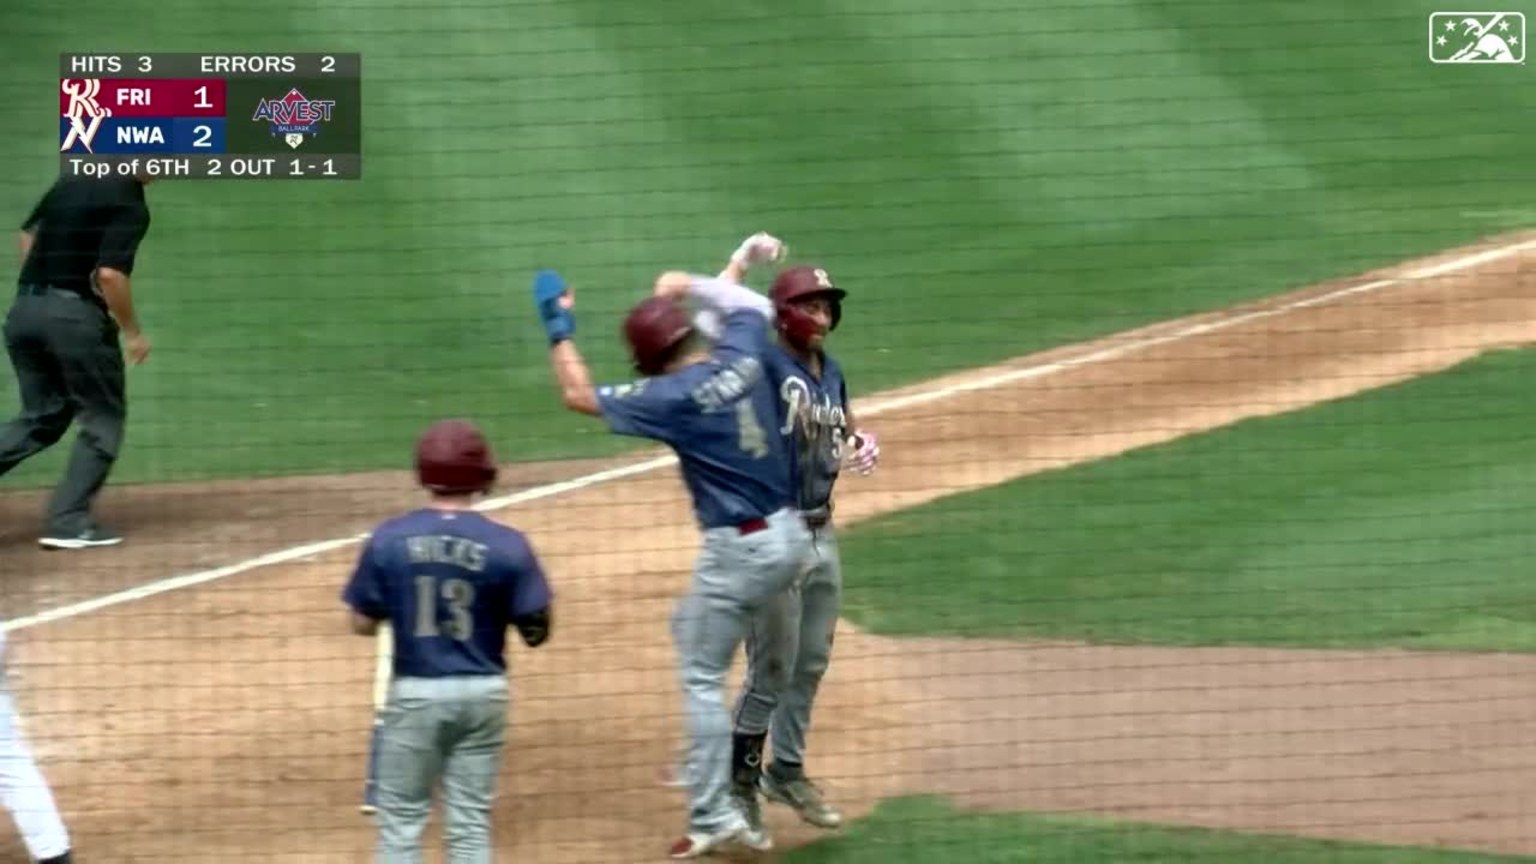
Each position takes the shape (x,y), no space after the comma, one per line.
(803,283)
(453,458)
(654,330)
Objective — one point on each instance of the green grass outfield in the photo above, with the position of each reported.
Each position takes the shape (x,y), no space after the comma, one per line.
(1398,517)
(986,180)
(928,831)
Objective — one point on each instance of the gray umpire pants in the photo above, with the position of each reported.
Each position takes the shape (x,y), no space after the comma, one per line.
(69,366)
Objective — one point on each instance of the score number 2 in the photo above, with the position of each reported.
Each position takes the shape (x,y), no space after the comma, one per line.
(204,133)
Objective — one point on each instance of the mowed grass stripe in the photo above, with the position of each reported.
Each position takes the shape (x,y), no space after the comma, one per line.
(925,830)
(1395,518)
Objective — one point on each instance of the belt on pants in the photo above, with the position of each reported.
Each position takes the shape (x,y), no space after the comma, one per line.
(752,526)
(28,289)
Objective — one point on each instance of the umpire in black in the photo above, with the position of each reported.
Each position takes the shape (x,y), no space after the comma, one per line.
(65,333)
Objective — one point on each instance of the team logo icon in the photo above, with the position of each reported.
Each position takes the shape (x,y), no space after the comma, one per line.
(1477,37)
(294,116)
(82,93)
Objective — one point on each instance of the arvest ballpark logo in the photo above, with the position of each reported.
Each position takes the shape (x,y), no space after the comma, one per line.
(294,116)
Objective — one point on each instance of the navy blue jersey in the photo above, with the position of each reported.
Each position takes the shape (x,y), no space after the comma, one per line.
(718,417)
(813,419)
(450,583)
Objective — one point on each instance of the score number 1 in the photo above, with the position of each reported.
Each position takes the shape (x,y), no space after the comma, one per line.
(204,133)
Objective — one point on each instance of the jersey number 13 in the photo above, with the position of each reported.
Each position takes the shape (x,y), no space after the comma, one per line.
(457,595)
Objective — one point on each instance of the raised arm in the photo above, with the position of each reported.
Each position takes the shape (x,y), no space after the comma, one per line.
(573,379)
(725,293)
(721,295)
(760,247)
(554,301)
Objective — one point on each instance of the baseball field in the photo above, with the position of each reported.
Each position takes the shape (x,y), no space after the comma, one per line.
(1195,334)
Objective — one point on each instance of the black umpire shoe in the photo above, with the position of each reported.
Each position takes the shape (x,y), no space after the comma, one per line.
(90,537)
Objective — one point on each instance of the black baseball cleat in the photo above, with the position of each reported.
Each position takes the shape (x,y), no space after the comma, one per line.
(66,858)
(89,538)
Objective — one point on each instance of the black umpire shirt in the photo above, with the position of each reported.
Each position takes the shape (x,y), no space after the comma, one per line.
(83,223)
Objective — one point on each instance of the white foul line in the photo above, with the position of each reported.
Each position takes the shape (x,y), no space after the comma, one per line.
(879,406)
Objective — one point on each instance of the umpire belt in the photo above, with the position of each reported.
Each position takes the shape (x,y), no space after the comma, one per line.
(29,289)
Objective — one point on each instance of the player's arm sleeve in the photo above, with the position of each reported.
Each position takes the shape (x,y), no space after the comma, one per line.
(364,592)
(532,601)
(744,333)
(641,409)
(120,242)
(728,297)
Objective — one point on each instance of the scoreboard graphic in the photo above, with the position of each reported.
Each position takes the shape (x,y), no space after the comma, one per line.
(212,116)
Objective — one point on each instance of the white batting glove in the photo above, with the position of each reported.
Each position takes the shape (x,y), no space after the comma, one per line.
(758,248)
(866,452)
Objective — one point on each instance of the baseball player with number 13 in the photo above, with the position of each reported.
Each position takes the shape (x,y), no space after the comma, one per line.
(789,646)
(447,583)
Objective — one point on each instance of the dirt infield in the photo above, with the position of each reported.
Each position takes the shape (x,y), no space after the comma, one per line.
(229,721)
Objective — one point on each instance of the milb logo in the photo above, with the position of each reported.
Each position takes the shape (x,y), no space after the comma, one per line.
(294,116)
(1477,37)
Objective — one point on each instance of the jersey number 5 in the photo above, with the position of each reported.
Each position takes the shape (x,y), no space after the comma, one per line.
(457,594)
(752,438)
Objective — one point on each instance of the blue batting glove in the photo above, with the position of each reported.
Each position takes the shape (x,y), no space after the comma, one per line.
(548,288)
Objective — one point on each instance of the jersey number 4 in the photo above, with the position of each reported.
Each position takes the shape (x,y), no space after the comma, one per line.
(456,594)
(752,438)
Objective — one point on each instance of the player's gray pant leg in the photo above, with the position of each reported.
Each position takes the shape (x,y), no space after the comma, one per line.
(469,777)
(773,636)
(409,765)
(821,601)
(736,575)
(449,730)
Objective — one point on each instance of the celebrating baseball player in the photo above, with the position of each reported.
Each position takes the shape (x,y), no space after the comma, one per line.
(796,632)
(449,582)
(713,405)
(22,788)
